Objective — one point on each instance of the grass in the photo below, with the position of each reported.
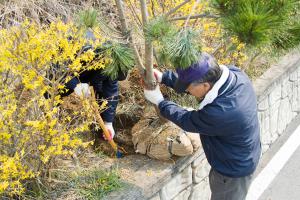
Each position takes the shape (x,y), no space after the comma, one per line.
(90,184)
(261,60)
(96,184)
(256,71)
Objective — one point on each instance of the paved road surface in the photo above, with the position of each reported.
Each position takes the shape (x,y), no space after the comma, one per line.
(286,185)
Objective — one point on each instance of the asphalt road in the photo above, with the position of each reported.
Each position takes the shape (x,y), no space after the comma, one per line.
(286,185)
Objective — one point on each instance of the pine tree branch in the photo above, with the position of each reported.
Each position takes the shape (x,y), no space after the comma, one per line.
(176,8)
(126,32)
(195,17)
(150,80)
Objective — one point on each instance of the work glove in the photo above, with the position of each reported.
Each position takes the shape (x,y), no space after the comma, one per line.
(82,90)
(110,129)
(154,96)
(158,75)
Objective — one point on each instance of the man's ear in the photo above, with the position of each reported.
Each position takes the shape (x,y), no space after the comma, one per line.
(207,86)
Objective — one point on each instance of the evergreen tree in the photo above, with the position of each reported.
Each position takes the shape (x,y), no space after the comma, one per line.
(256,23)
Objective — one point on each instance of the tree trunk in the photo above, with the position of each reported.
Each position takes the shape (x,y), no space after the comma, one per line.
(150,81)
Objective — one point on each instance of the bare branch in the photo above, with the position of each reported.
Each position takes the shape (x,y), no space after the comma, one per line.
(132,8)
(152,8)
(126,32)
(122,16)
(193,8)
(173,10)
(195,17)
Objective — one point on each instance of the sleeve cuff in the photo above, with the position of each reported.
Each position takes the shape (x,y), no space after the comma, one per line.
(72,83)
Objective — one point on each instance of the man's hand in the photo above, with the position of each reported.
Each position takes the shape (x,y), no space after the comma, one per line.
(154,96)
(158,75)
(110,129)
(83,90)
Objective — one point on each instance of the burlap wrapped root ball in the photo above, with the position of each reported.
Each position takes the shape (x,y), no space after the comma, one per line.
(162,140)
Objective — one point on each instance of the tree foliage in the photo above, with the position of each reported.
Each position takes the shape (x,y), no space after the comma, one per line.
(259,23)
(122,59)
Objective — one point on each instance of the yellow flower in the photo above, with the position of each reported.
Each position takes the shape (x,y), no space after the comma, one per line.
(235,55)
(3,186)
(234,40)
(4,137)
(240,46)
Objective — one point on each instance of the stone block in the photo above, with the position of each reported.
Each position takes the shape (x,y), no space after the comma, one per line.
(298,93)
(263,105)
(285,87)
(274,117)
(155,197)
(264,148)
(177,184)
(184,195)
(293,76)
(201,171)
(266,137)
(275,94)
(260,85)
(295,100)
(201,191)
(198,161)
(264,123)
(284,115)
(274,137)
(294,114)
(264,120)
(290,90)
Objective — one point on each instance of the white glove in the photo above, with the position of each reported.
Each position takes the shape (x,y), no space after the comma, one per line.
(154,96)
(158,75)
(110,129)
(83,90)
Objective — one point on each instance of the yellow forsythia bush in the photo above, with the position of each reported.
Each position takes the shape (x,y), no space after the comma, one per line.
(34,130)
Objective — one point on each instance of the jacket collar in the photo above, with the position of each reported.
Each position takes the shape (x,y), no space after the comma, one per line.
(214,91)
(230,82)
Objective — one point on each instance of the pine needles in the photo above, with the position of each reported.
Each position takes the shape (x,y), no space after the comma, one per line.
(259,22)
(184,49)
(122,59)
(158,29)
(88,18)
(177,47)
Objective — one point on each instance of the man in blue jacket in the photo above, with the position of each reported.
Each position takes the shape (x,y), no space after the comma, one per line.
(226,121)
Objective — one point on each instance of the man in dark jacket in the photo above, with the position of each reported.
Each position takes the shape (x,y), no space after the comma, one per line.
(226,121)
(104,88)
